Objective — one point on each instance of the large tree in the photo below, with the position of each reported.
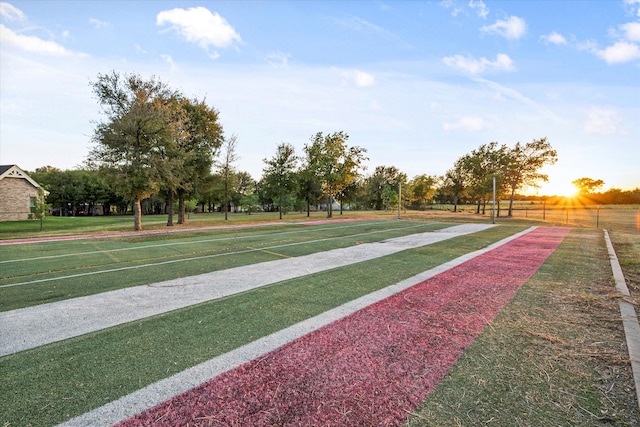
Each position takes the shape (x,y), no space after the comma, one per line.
(198,146)
(279,175)
(225,166)
(587,185)
(309,187)
(138,127)
(524,163)
(383,178)
(481,166)
(421,190)
(335,164)
(455,183)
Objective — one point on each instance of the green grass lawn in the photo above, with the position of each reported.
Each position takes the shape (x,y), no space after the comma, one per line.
(57,226)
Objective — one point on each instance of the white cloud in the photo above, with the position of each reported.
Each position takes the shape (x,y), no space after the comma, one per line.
(554,38)
(633,7)
(477,66)
(451,4)
(480,8)
(621,51)
(97,23)
(10,12)
(34,44)
(359,24)
(601,121)
(512,28)
(198,25)
(277,58)
(631,31)
(469,123)
(139,49)
(359,78)
(169,60)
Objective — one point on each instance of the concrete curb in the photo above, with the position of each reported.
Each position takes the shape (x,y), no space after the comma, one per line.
(629,317)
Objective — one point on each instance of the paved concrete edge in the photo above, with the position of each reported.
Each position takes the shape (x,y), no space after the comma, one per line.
(158,392)
(628,313)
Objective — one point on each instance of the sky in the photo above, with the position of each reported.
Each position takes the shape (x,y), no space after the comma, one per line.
(417,83)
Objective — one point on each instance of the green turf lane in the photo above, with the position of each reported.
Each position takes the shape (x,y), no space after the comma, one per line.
(55,382)
(38,273)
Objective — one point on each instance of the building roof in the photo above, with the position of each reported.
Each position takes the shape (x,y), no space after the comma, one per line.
(13,171)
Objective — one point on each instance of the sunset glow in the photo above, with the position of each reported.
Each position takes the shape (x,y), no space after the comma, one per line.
(559,189)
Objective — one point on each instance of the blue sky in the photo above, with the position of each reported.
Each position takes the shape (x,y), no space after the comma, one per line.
(418,84)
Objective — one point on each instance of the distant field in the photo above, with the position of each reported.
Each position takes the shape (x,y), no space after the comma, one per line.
(612,217)
(55,226)
(624,218)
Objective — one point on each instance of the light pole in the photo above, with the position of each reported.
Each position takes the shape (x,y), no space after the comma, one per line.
(493,207)
(399,197)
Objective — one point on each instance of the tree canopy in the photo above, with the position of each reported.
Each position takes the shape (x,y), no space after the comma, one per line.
(334,163)
(524,163)
(587,185)
(279,175)
(152,138)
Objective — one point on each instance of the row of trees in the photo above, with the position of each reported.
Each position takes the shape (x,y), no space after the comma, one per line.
(153,140)
(511,169)
(158,146)
(85,191)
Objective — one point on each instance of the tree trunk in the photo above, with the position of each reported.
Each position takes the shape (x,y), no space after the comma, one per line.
(513,194)
(308,208)
(170,209)
(181,208)
(137,214)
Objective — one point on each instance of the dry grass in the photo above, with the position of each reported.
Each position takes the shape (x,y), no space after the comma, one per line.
(556,356)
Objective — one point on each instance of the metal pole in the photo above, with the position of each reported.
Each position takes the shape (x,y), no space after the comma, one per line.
(493,207)
(399,197)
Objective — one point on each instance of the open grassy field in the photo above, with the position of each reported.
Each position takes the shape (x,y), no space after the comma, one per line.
(555,355)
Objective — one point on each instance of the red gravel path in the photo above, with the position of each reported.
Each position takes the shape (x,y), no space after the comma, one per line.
(373,367)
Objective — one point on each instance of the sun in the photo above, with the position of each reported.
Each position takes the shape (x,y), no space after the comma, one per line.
(558,188)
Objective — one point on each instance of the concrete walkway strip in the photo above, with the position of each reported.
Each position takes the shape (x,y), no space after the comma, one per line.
(165,389)
(30,327)
(628,313)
